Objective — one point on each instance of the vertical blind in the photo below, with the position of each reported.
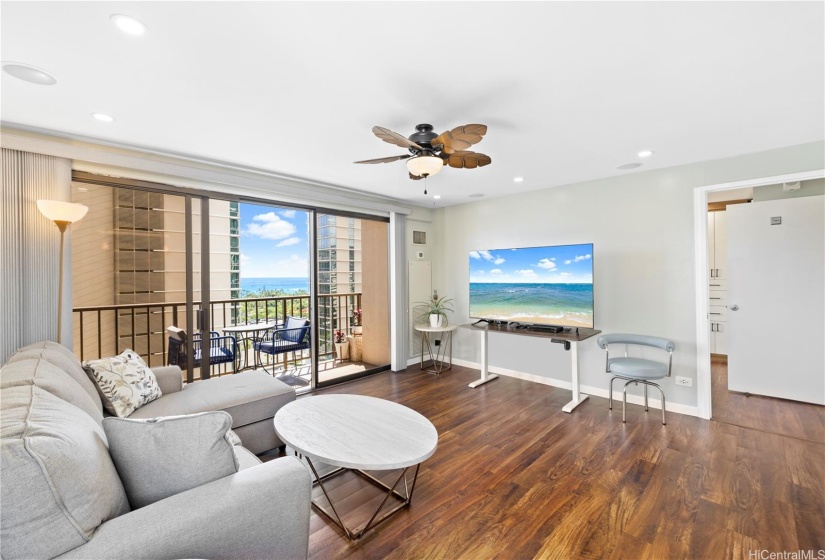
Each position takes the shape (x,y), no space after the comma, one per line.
(29,245)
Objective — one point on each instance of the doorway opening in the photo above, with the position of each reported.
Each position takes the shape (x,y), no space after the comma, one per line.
(711,336)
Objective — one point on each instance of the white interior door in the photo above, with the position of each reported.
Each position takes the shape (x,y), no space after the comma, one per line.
(776,298)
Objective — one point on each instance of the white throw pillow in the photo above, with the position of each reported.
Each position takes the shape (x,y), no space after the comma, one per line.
(160,457)
(125,382)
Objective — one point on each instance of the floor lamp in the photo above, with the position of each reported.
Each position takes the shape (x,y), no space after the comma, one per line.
(62,214)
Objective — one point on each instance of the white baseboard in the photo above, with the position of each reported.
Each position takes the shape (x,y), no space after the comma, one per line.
(653,400)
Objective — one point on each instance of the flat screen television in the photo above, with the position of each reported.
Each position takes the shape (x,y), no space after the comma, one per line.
(533,286)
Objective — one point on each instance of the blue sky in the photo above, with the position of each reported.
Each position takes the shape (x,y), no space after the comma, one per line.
(565,264)
(273,242)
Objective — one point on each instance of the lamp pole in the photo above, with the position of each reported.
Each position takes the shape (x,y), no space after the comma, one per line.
(61,225)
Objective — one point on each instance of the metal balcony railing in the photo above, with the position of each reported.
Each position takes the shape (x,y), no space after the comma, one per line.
(107,330)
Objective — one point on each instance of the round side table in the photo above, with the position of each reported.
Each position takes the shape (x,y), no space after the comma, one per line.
(439,342)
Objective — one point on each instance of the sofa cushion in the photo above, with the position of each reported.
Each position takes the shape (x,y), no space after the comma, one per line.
(249,397)
(35,371)
(125,381)
(246,459)
(59,483)
(62,357)
(160,457)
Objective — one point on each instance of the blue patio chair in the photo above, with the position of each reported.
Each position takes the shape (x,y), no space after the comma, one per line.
(222,349)
(293,336)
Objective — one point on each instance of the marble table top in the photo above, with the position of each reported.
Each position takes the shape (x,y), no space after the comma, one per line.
(356,432)
(427,328)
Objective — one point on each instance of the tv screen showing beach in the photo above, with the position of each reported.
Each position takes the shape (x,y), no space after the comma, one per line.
(534,285)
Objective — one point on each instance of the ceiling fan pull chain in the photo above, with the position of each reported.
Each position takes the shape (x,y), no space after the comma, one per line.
(425,184)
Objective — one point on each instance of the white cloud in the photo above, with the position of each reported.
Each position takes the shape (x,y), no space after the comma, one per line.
(289,241)
(288,213)
(269,226)
(568,261)
(245,259)
(495,271)
(486,255)
(582,257)
(474,255)
(498,260)
(293,266)
(527,273)
(546,264)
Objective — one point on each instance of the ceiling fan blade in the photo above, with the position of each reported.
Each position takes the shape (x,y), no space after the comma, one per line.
(385,159)
(388,135)
(460,138)
(468,160)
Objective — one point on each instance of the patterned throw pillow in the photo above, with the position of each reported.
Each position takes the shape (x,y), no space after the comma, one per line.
(125,382)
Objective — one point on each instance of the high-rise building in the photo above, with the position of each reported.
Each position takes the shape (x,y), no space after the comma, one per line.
(339,272)
(130,251)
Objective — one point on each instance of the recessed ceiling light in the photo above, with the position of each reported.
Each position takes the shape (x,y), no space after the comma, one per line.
(29,73)
(518,179)
(476,195)
(627,166)
(102,117)
(128,24)
(436,196)
(645,153)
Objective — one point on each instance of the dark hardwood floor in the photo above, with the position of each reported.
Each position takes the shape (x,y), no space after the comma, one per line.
(778,416)
(515,477)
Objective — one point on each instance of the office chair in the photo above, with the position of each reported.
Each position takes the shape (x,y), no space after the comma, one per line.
(636,370)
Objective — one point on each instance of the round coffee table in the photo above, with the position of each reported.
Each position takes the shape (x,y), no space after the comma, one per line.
(357,433)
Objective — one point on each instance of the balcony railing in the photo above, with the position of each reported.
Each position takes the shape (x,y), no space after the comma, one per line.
(107,330)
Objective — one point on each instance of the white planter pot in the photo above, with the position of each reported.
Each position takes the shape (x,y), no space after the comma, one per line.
(435,320)
(342,350)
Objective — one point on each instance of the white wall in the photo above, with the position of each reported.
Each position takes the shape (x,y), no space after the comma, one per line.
(642,227)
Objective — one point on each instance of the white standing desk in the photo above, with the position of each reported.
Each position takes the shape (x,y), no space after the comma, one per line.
(570,338)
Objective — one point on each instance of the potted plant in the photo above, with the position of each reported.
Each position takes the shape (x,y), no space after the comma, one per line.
(356,315)
(435,310)
(341,344)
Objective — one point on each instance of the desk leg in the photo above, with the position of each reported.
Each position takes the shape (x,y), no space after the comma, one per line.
(485,375)
(578,397)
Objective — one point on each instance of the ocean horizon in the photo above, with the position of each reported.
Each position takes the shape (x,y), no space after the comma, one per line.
(290,285)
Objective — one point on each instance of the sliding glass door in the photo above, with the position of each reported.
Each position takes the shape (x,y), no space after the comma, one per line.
(353,297)
(219,286)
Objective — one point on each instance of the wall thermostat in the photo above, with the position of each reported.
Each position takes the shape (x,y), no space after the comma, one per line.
(776,221)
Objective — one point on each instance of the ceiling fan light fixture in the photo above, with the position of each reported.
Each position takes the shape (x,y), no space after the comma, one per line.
(425,166)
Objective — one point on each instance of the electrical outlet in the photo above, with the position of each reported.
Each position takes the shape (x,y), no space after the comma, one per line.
(684,381)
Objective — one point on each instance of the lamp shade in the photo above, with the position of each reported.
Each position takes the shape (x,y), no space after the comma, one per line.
(59,211)
(425,165)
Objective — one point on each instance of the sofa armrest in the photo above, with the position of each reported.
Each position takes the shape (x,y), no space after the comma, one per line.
(170,379)
(259,512)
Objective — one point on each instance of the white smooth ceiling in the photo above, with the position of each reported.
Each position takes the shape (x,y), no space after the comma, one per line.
(569,90)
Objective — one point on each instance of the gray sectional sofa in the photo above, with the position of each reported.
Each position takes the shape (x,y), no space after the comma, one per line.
(62,496)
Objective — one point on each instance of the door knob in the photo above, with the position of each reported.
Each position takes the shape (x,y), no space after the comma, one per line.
(734,307)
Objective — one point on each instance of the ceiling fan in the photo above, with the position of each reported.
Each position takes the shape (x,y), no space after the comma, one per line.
(429,152)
